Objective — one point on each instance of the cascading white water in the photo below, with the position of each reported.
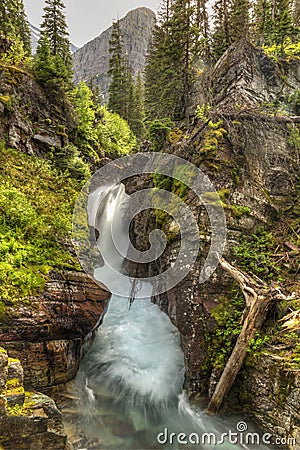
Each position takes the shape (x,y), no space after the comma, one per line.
(130,382)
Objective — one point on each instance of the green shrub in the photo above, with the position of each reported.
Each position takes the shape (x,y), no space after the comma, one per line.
(36,204)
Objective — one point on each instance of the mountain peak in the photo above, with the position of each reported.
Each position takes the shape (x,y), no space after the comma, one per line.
(92,60)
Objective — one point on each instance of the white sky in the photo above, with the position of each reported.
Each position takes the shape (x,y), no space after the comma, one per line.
(88,18)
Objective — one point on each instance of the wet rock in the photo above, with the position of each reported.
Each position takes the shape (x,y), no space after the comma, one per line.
(27,420)
(47,334)
(271,395)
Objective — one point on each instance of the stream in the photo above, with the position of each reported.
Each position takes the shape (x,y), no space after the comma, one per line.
(128,393)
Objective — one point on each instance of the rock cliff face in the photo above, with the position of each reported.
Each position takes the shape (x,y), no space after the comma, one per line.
(27,419)
(271,394)
(29,121)
(48,333)
(254,165)
(91,61)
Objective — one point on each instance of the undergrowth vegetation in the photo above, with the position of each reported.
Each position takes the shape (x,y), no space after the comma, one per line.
(36,203)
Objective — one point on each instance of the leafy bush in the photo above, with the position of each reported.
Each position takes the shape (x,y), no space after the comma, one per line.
(36,204)
(159,133)
(288,49)
(114,134)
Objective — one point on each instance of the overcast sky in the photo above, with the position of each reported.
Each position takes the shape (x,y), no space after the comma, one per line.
(88,18)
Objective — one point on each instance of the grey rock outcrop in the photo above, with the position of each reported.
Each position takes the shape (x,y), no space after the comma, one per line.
(92,60)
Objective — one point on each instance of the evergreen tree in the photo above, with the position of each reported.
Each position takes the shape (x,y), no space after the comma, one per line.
(53,61)
(156,67)
(54,26)
(14,23)
(263,23)
(282,22)
(169,68)
(116,99)
(274,22)
(239,20)
(22,25)
(203,30)
(44,67)
(220,37)
(137,116)
(121,88)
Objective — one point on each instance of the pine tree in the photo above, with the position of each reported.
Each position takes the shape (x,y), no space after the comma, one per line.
(44,65)
(54,27)
(22,25)
(239,20)
(116,71)
(53,60)
(137,116)
(121,88)
(169,68)
(155,70)
(14,23)
(283,22)
(263,23)
(220,37)
(203,30)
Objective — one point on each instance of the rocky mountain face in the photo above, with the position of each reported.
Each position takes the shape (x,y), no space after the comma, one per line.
(255,170)
(91,61)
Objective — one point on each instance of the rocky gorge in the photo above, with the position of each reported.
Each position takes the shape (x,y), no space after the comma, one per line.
(256,173)
(245,137)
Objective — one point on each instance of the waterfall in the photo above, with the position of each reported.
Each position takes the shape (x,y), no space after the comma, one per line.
(130,382)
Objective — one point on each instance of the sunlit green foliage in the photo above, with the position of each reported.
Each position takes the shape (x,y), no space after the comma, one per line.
(114,133)
(36,203)
(98,130)
(158,133)
(14,24)
(288,48)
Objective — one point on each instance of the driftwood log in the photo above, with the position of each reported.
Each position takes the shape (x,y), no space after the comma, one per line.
(258,297)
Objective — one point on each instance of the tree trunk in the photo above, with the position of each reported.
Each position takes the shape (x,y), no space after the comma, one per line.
(258,297)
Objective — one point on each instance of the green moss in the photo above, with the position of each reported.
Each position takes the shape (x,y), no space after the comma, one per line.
(12,383)
(17,410)
(6,100)
(18,390)
(227,315)
(239,211)
(12,360)
(254,254)
(217,198)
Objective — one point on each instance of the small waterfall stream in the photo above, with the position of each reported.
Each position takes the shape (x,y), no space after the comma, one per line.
(129,387)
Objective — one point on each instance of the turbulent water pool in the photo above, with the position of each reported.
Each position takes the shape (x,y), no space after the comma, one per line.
(128,393)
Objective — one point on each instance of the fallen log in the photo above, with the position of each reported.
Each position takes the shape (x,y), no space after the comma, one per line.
(258,297)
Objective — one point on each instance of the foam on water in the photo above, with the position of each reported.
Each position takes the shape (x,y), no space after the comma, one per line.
(130,382)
